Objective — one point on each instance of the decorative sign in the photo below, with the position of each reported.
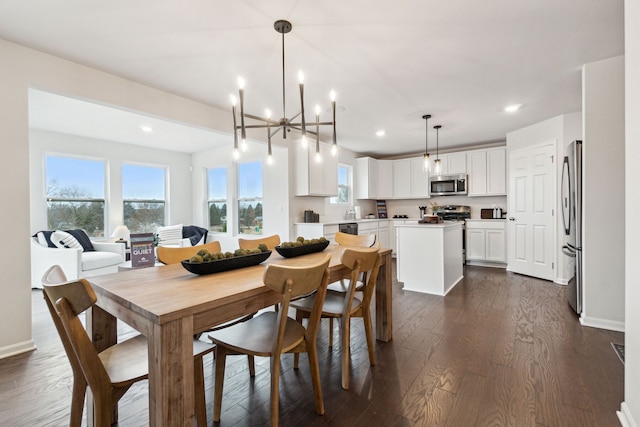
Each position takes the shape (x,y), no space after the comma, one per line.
(142,250)
(381,207)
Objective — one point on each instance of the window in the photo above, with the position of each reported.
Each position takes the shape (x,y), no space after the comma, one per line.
(217,199)
(344,186)
(75,194)
(250,198)
(143,197)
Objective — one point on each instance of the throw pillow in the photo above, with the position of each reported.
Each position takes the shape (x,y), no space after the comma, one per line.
(82,238)
(62,239)
(196,235)
(169,235)
(44,238)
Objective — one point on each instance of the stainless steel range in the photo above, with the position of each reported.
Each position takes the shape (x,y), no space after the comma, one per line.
(456,213)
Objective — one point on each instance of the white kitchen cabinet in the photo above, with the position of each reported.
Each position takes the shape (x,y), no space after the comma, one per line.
(383,234)
(368,228)
(366,182)
(402,179)
(487,172)
(385,179)
(419,179)
(373,178)
(486,242)
(312,177)
(496,171)
(456,163)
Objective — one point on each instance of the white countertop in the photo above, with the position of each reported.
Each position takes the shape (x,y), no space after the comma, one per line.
(342,221)
(487,219)
(438,225)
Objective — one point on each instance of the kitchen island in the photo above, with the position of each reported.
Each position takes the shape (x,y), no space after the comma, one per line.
(429,256)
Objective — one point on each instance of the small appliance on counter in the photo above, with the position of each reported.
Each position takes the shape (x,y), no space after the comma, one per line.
(311,216)
(493,213)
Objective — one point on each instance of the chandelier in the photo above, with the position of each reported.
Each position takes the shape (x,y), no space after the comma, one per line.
(273,126)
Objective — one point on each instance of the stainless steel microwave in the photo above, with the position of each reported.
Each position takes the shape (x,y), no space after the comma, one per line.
(448,185)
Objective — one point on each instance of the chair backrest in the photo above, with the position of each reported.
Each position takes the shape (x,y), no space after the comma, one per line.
(292,282)
(365,260)
(365,241)
(169,255)
(55,276)
(70,299)
(270,241)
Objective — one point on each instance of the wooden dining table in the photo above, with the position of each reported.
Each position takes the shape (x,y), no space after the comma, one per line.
(169,305)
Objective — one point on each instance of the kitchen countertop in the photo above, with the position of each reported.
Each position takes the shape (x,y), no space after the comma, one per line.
(343,221)
(435,225)
(486,219)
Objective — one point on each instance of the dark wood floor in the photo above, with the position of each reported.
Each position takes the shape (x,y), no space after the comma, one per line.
(499,350)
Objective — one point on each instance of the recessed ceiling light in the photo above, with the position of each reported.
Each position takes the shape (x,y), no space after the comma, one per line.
(146,129)
(512,108)
(381,132)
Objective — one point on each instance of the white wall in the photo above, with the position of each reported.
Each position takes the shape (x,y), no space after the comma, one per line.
(275,194)
(560,130)
(603,234)
(44,143)
(23,68)
(410,207)
(630,410)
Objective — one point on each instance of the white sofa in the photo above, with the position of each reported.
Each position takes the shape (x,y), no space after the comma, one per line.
(74,262)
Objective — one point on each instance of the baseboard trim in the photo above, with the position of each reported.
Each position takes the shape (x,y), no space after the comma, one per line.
(625,417)
(594,322)
(18,348)
(486,264)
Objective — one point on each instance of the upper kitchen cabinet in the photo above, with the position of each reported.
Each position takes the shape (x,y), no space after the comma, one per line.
(450,164)
(366,182)
(402,179)
(487,171)
(374,178)
(312,177)
(419,179)
(385,179)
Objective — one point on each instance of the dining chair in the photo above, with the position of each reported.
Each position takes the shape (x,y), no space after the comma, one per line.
(346,239)
(113,371)
(270,241)
(272,333)
(341,286)
(345,305)
(171,255)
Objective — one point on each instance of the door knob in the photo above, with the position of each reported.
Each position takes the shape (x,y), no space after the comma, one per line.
(511,218)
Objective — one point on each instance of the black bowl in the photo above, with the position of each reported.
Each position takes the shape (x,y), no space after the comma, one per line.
(226,264)
(302,250)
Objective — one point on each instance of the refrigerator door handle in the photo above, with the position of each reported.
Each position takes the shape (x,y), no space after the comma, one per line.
(566,198)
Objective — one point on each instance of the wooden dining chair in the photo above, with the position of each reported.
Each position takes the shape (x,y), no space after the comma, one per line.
(272,333)
(363,241)
(113,371)
(345,306)
(341,286)
(270,241)
(171,255)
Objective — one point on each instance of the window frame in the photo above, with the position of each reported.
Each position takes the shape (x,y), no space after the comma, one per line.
(209,201)
(349,186)
(165,201)
(238,199)
(104,200)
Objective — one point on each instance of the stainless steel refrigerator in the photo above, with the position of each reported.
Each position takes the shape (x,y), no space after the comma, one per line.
(572,219)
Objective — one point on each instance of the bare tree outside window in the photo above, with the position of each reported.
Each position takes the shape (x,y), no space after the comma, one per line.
(75,194)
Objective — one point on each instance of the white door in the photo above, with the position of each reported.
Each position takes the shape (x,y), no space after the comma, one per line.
(531,225)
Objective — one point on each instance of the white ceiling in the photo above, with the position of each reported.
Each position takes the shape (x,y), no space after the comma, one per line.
(390,62)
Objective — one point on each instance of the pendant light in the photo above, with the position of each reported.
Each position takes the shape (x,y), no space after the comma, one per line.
(426,118)
(437,161)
